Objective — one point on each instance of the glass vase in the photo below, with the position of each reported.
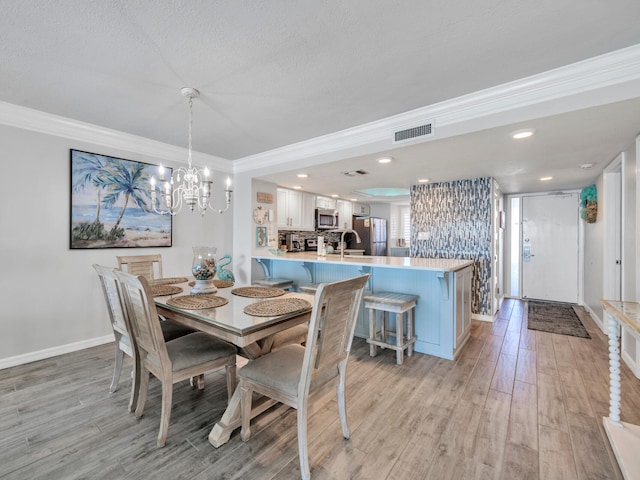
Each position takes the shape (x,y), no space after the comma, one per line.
(204,269)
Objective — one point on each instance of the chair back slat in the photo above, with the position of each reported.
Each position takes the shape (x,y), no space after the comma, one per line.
(115,305)
(331,329)
(145,265)
(142,317)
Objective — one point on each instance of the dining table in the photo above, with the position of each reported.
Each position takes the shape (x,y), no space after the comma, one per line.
(270,311)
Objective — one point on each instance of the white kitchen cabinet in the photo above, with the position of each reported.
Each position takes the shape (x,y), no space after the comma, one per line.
(295,210)
(308,211)
(463,307)
(325,202)
(360,208)
(289,209)
(345,213)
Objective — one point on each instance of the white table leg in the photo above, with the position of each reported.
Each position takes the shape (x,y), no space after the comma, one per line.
(614,371)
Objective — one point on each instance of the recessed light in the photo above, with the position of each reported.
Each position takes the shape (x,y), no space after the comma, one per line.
(423,180)
(587,166)
(353,199)
(520,134)
(385,159)
(545,179)
(302,175)
(297,187)
(335,195)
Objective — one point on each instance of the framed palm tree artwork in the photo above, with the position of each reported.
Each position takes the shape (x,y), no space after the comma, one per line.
(111,204)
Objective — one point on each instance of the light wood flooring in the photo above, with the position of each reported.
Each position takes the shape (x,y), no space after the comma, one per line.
(517,404)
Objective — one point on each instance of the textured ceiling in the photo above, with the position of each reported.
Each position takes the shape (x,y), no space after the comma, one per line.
(279,72)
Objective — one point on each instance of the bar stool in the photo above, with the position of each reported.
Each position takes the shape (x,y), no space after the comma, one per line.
(283,283)
(386,303)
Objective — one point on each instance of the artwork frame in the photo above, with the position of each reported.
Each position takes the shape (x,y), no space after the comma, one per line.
(261,237)
(110,204)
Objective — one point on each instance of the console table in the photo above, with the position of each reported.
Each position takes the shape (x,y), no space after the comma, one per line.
(624,437)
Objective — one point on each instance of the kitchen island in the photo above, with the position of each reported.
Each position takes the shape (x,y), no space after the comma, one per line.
(443,312)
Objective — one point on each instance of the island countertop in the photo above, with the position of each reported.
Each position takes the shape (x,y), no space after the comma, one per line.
(432,264)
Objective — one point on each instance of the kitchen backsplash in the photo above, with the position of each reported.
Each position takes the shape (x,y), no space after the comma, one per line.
(328,237)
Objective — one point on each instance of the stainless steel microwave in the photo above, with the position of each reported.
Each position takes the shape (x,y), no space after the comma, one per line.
(326,219)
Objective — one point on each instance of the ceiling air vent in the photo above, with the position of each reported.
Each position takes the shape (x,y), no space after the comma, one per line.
(353,173)
(421,131)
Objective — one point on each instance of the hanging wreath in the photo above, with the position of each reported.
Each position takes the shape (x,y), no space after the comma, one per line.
(589,204)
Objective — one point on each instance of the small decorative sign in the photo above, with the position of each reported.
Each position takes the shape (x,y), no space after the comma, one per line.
(261,236)
(264,197)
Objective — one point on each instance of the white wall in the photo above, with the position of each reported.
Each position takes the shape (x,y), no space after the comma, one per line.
(593,257)
(380,210)
(50,295)
(594,274)
(629,215)
(263,187)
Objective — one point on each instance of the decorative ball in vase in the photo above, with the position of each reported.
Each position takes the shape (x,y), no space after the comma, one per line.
(203,270)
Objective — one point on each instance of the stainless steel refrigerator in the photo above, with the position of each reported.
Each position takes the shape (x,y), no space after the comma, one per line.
(373,233)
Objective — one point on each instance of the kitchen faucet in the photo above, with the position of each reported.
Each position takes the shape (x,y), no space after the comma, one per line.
(345,230)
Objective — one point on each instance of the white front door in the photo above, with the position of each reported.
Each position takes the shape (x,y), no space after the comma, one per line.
(550,247)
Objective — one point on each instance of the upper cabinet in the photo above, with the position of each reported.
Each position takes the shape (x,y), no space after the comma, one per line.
(295,210)
(345,213)
(308,211)
(325,202)
(360,209)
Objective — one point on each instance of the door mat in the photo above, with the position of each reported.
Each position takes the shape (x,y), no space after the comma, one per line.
(554,317)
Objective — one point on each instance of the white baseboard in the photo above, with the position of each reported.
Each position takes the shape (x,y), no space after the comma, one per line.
(53,352)
(598,321)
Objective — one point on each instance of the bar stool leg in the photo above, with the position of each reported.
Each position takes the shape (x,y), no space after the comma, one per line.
(410,331)
(399,337)
(372,332)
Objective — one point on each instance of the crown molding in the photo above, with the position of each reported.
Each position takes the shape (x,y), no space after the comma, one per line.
(56,125)
(588,77)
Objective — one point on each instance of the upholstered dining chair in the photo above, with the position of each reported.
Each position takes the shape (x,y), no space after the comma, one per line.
(123,345)
(293,373)
(149,266)
(173,361)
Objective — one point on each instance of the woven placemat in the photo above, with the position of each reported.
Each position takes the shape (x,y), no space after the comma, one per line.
(197,302)
(160,290)
(258,292)
(168,280)
(279,306)
(217,283)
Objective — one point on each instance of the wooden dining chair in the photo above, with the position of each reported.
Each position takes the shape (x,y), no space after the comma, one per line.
(149,266)
(123,343)
(173,361)
(293,373)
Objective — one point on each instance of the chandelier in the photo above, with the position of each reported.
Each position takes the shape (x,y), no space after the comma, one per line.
(195,189)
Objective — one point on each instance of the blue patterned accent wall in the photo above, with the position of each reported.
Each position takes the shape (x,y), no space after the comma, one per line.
(456,217)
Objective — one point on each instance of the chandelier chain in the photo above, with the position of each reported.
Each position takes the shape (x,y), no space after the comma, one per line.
(190,127)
